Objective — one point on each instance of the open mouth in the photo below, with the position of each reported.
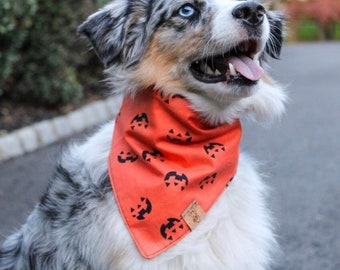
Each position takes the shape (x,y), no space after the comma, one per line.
(235,66)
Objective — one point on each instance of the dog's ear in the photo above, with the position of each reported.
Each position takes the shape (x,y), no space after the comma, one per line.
(119,32)
(105,31)
(274,44)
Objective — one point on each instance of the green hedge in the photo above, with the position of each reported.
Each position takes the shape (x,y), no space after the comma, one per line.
(337,31)
(308,31)
(40,53)
(16,18)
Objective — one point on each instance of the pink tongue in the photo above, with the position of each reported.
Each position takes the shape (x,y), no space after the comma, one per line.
(247,67)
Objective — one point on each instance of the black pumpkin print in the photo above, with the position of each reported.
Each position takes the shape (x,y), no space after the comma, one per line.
(178,180)
(171,228)
(143,208)
(179,137)
(140,120)
(213,148)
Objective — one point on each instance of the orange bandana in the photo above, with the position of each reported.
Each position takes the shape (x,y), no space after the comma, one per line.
(167,167)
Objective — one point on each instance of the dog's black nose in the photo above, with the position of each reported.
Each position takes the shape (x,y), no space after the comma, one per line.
(250,13)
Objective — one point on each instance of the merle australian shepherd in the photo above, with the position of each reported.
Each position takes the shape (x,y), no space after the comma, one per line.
(209,53)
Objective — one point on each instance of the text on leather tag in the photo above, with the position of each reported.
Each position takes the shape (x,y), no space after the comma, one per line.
(193,215)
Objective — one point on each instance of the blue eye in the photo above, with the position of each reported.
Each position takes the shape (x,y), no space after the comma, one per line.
(186,11)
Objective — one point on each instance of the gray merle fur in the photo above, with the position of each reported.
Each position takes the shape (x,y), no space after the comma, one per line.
(60,214)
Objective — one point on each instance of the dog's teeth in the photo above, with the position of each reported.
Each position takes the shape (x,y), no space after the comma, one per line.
(209,71)
(217,73)
(232,70)
(206,69)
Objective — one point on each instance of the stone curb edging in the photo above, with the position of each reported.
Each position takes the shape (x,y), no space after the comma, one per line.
(43,133)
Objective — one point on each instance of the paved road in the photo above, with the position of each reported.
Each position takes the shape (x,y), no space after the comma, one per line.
(301,155)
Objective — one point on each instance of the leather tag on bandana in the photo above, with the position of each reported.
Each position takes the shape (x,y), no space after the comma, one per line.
(193,215)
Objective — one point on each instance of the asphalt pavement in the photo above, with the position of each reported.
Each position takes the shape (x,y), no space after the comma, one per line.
(300,156)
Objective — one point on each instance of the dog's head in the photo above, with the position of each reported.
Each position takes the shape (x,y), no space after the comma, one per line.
(211,51)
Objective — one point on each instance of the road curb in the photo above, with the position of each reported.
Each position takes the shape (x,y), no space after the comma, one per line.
(43,133)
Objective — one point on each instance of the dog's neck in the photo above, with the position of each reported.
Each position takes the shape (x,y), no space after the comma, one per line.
(214,111)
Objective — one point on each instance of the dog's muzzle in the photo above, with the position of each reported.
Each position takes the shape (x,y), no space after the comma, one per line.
(236,65)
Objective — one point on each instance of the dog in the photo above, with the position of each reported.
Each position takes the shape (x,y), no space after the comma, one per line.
(208,56)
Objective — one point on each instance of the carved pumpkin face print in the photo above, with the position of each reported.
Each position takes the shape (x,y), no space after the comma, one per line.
(149,156)
(179,137)
(143,208)
(140,120)
(127,157)
(208,180)
(170,229)
(213,148)
(174,179)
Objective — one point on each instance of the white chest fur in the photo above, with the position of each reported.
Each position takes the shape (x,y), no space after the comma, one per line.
(235,234)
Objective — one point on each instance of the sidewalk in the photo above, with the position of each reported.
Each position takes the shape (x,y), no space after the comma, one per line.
(46,132)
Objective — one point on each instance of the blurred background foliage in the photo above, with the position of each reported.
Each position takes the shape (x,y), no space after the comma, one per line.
(41,58)
(43,61)
(311,20)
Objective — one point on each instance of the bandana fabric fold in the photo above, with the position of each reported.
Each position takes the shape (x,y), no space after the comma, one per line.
(167,167)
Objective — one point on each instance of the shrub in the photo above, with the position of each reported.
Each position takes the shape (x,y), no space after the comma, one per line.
(308,30)
(337,31)
(42,51)
(16,18)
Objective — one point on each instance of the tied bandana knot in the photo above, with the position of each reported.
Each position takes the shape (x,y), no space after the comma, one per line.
(167,167)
